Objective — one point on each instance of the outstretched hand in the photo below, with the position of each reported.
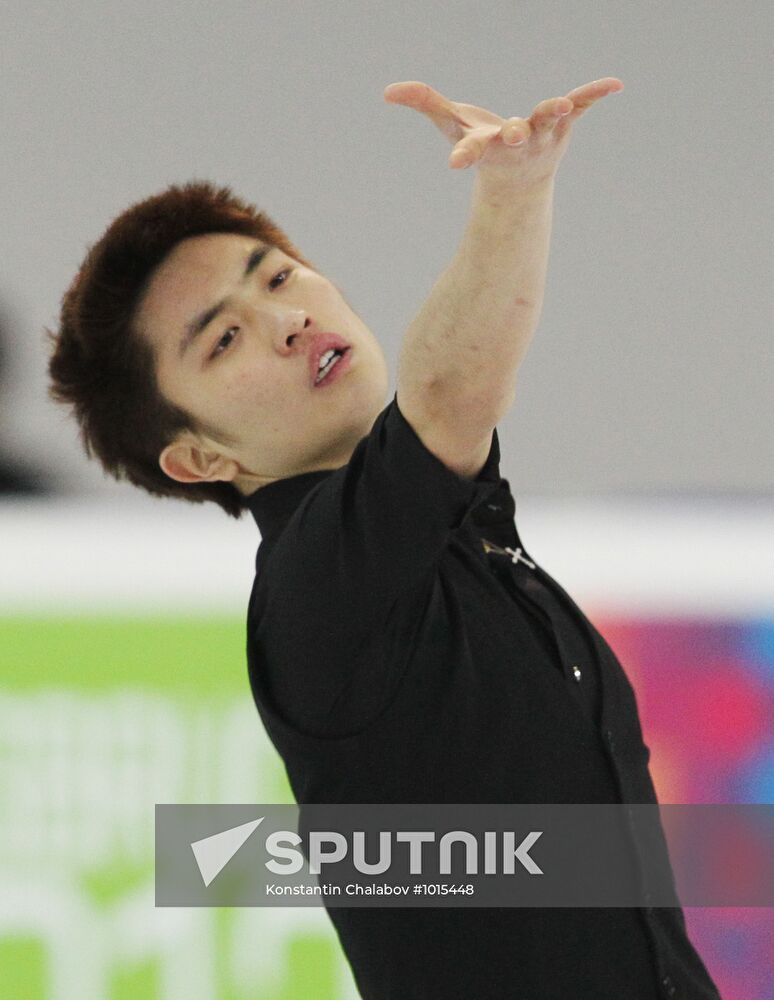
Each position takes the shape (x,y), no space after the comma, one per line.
(525,151)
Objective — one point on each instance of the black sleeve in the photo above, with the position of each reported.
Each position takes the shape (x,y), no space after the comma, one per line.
(367,535)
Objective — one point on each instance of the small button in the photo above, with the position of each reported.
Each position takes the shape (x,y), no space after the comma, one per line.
(576,671)
(669,986)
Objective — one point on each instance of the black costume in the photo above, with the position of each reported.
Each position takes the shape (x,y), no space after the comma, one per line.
(404,647)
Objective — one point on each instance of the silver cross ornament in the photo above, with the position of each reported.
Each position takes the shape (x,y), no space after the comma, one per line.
(516,555)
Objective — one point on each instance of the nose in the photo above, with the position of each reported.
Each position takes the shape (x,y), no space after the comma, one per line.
(293,332)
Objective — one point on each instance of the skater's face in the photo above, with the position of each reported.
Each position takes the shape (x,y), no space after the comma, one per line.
(235,336)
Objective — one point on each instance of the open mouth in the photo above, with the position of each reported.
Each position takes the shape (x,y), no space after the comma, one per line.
(329,360)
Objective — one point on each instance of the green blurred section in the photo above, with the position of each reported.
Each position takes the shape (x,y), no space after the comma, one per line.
(180,655)
(23,968)
(139,981)
(195,661)
(311,973)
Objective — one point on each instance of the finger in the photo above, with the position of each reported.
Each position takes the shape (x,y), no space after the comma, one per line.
(471,148)
(420,96)
(583,97)
(515,131)
(595,89)
(548,113)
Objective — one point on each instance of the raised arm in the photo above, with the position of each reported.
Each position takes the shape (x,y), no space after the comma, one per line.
(460,356)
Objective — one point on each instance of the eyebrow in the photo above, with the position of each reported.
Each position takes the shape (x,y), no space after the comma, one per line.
(199,323)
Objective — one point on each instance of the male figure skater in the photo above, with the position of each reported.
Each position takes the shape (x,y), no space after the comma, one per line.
(403,647)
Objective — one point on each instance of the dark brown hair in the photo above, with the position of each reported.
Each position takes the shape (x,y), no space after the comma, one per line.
(103,368)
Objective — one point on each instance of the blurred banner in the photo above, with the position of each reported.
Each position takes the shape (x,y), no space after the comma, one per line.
(123,684)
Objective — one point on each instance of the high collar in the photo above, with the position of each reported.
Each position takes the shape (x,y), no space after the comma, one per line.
(273,505)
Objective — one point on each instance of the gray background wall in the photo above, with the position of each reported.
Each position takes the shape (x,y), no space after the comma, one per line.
(651,370)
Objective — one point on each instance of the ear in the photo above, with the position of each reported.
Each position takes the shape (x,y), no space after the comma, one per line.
(185,461)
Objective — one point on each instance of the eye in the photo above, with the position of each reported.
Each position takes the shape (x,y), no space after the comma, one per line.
(287,270)
(225,341)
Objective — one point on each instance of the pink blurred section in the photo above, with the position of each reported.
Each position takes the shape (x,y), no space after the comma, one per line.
(705,690)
